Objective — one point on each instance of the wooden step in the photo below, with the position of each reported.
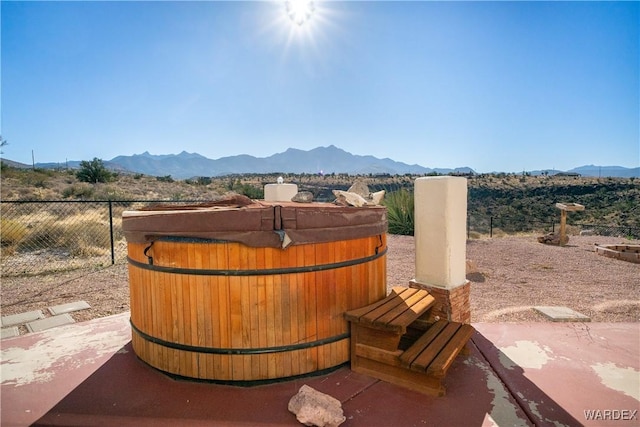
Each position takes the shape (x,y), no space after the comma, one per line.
(434,352)
(394,313)
(378,329)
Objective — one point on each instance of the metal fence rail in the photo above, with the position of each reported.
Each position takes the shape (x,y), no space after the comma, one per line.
(482,224)
(43,237)
(607,230)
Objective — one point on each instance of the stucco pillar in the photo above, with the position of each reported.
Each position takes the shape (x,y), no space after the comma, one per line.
(441,244)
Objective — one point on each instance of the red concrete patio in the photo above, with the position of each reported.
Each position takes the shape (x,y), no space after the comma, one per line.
(515,374)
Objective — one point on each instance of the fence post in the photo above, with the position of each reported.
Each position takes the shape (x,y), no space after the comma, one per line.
(113,251)
(468,227)
(491,226)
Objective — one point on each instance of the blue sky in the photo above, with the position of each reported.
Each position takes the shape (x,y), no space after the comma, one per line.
(496,86)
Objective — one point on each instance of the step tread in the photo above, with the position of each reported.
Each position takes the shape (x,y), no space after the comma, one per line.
(436,349)
(395,312)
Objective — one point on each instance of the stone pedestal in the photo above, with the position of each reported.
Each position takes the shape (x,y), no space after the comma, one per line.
(451,304)
(440,244)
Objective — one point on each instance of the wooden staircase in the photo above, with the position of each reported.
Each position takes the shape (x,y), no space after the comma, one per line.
(392,341)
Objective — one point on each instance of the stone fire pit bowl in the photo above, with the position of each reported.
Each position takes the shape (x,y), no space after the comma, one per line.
(629,253)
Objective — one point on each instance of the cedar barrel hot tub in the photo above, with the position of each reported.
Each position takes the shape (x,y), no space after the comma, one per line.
(247,292)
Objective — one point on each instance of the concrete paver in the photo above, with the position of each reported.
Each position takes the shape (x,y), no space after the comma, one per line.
(561,314)
(49,322)
(69,307)
(21,318)
(9,332)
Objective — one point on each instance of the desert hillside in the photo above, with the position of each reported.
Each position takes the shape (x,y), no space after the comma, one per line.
(513,198)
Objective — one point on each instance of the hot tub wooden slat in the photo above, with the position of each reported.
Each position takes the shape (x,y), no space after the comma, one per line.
(254,319)
(246,308)
(249,312)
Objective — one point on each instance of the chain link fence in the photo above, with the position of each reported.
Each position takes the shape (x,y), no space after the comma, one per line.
(44,237)
(478,225)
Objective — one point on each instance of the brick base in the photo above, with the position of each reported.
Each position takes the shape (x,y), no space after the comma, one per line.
(451,304)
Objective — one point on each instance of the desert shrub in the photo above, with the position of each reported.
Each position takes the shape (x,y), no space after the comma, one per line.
(249,190)
(400,212)
(12,233)
(78,235)
(92,240)
(474,235)
(253,192)
(94,171)
(498,232)
(203,180)
(78,191)
(108,192)
(43,235)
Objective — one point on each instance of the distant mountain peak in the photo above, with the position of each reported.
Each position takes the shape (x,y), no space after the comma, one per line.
(330,159)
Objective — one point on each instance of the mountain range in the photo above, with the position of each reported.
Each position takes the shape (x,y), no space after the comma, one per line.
(326,160)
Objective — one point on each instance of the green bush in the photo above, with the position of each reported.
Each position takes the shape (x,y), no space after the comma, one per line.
(203,180)
(94,172)
(400,212)
(250,191)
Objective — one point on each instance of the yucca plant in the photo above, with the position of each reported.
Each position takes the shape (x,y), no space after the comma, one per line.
(400,212)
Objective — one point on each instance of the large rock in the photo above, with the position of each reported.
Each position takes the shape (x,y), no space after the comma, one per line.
(303,197)
(361,188)
(552,239)
(358,195)
(313,408)
(346,198)
(376,198)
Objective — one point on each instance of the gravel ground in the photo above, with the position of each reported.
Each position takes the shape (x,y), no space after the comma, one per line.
(509,276)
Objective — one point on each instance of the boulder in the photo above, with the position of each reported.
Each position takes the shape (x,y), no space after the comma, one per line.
(376,198)
(359,187)
(303,197)
(313,408)
(346,198)
(358,195)
(552,239)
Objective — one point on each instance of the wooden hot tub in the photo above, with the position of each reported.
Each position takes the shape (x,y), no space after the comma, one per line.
(248,293)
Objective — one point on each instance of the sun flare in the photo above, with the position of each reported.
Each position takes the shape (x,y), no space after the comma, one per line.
(301,27)
(300,11)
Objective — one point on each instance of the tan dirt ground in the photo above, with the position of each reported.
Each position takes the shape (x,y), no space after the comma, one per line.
(509,276)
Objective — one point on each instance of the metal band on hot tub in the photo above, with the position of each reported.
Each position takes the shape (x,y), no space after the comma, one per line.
(257,350)
(270,271)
